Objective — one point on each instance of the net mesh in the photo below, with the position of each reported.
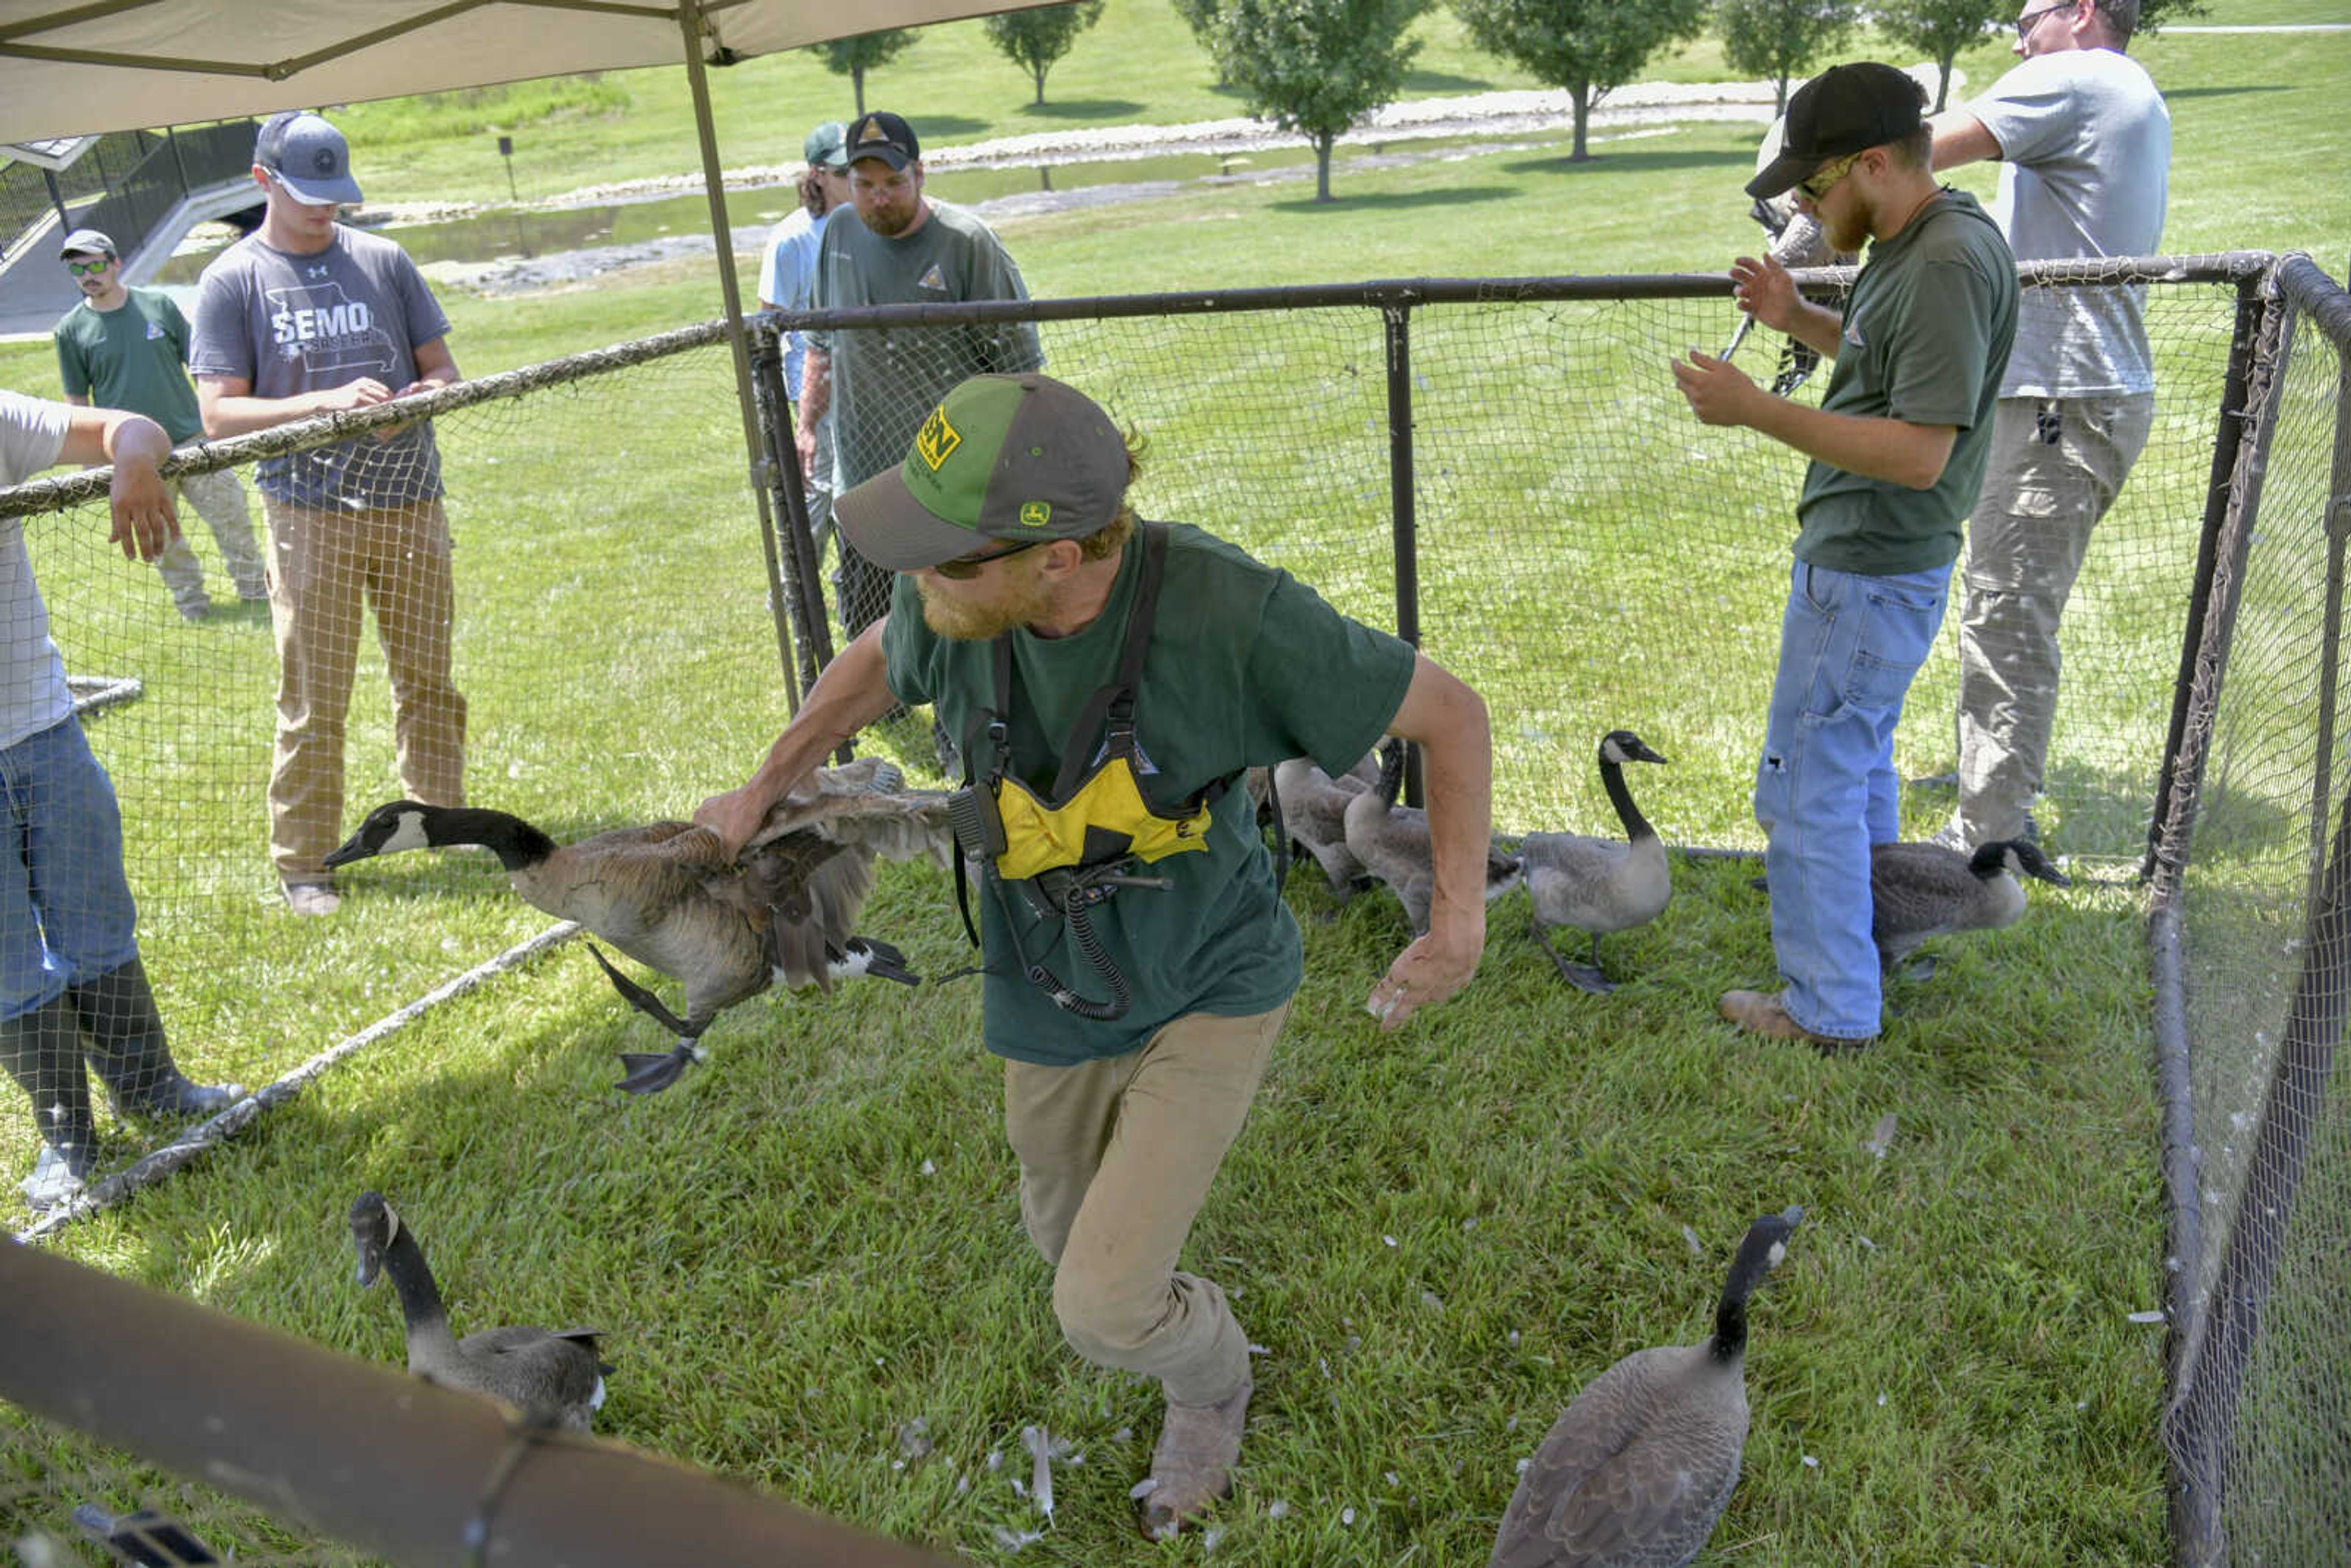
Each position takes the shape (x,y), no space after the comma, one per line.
(2262,1414)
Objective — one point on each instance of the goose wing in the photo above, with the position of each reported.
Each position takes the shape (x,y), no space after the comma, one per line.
(1917,890)
(863,802)
(805,891)
(554,1376)
(1593,883)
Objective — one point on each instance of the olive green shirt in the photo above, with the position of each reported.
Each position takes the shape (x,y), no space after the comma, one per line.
(135,356)
(1926,338)
(1246,666)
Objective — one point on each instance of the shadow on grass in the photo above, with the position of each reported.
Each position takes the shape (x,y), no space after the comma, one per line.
(1460,196)
(1082,109)
(935,129)
(1443,81)
(1633,162)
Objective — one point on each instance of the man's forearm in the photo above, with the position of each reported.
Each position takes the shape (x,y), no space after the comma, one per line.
(1817,327)
(1873,446)
(228,416)
(816,388)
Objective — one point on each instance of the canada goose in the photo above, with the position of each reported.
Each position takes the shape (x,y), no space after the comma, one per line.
(782,911)
(552,1375)
(1639,1469)
(1315,815)
(1918,890)
(1393,844)
(1598,884)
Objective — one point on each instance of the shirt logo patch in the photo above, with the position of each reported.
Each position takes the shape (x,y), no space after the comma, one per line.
(1036,514)
(937,439)
(154,331)
(933,278)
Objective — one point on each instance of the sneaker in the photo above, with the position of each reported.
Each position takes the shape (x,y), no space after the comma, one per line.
(312,897)
(54,1179)
(1192,1467)
(1762,1013)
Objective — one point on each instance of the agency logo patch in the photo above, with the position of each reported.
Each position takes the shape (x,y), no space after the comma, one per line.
(871,132)
(937,439)
(1036,514)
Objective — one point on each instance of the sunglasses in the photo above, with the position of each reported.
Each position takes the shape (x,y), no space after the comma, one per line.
(966,567)
(2024,24)
(89,268)
(1822,180)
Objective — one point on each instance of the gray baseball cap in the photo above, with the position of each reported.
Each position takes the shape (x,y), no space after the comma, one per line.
(87,242)
(826,146)
(308,157)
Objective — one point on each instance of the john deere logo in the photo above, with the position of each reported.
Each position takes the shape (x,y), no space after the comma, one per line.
(1036,514)
(937,439)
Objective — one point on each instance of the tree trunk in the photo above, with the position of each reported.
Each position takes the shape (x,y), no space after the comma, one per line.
(1943,85)
(1582,95)
(1041,85)
(1782,108)
(857,80)
(1322,165)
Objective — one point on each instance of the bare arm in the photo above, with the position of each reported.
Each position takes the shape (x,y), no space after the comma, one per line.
(1447,720)
(1961,138)
(815,396)
(436,368)
(1763,290)
(144,519)
(1874,446)
(229,407)
(853,692)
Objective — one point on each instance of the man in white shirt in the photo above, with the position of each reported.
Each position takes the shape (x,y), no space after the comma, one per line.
(787,282)
(2085,146)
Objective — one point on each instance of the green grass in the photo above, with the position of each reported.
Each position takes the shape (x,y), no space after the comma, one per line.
(787,1284)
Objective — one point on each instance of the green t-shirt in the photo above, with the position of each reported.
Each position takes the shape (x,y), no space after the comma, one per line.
(1246,666)
(133,357)
(1927,333)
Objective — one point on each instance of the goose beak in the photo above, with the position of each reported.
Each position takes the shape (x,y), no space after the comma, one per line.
(370,1264)
(1641,751)
(350,850)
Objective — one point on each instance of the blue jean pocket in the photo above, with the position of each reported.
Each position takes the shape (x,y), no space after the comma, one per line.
(1897,631)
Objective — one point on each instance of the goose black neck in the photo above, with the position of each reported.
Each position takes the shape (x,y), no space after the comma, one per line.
(1989,861)
(420,1298)
(1392,774)
(1612,778)
(516,842)
(1747,1272)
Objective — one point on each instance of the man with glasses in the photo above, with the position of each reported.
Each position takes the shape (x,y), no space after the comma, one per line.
(1044,620)
(306,317)
(1897,449)
(2083,142)
(128,348)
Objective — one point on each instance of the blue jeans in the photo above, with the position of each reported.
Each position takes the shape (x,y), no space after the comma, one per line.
(66,914)
(1825,790)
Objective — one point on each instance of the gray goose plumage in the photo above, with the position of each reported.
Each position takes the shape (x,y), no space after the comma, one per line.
(1315,815)
(1919,891)
(1392,842)
(1598,884)
(1636,1472)
(552,1375)
(784,911)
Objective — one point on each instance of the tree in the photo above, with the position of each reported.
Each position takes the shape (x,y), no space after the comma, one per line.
(1782,39)
(1200,16)
(852,57)
(1939,29)
(1585,46)
(1315,66)
(1035,38)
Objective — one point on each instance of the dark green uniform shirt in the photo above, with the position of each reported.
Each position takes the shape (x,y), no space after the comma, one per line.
(135,356)
(1927,334)
(1246,666)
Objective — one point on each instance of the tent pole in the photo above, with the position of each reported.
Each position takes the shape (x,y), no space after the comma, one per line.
(722,234)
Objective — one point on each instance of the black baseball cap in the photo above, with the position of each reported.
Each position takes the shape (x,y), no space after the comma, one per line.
(886,136)
(1845,109)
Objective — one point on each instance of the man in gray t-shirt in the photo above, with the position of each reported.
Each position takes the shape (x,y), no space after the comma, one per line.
(301,318)
(2085,146)
(899,248)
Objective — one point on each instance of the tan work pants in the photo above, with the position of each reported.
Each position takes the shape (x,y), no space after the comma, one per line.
(219,499)
(1116,1156)
(326,568)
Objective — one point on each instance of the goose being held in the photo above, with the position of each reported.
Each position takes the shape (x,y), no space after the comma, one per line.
(552,1375)
(1315,815)
(1393,844)
(782,912)
(1638,1469)
(1598,884)
(1920,891)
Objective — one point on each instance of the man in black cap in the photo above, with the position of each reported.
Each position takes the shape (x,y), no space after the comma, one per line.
(1122,674)
(1898,446)
(904,248)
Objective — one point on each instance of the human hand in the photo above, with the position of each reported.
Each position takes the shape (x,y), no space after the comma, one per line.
(734,816)
(1436,965)
(1765,291)
(145,520)
(1719,391)
(364,392)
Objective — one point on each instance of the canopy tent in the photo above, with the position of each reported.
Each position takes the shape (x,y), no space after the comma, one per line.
(80,69)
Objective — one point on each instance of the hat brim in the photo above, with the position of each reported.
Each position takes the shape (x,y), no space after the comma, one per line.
(889,155)
(1781,174)
(320,192)
(889,528)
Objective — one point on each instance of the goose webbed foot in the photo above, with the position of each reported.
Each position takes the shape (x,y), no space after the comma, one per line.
(650,1073)
(1584,978)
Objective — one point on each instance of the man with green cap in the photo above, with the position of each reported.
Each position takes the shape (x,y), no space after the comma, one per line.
(1109,679)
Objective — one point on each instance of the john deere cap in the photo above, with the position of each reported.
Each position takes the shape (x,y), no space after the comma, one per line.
(824,149)
(1845,109)
(309,158)
(1004,457)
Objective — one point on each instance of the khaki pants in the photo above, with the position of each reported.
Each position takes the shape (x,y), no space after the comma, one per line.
(1116,1156)
(219,499)
(2056,466)
(328,567)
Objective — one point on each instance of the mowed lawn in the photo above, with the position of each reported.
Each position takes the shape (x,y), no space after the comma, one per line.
(1435,1237)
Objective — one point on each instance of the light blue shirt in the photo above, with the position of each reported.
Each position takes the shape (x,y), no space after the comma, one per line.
(787,282)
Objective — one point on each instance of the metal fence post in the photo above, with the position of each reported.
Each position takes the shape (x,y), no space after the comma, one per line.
(1396,318)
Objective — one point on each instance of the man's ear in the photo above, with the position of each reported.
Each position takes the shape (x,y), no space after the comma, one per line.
(1063,557)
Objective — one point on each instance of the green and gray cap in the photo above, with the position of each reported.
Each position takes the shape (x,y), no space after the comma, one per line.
(1003,457)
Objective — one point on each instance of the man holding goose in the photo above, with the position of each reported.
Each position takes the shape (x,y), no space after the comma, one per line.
(1108,680)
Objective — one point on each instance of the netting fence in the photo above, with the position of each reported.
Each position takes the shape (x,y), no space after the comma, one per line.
(1502,470)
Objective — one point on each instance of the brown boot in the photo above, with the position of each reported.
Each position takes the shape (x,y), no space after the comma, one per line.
(1763,1013)
(1192,1468)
